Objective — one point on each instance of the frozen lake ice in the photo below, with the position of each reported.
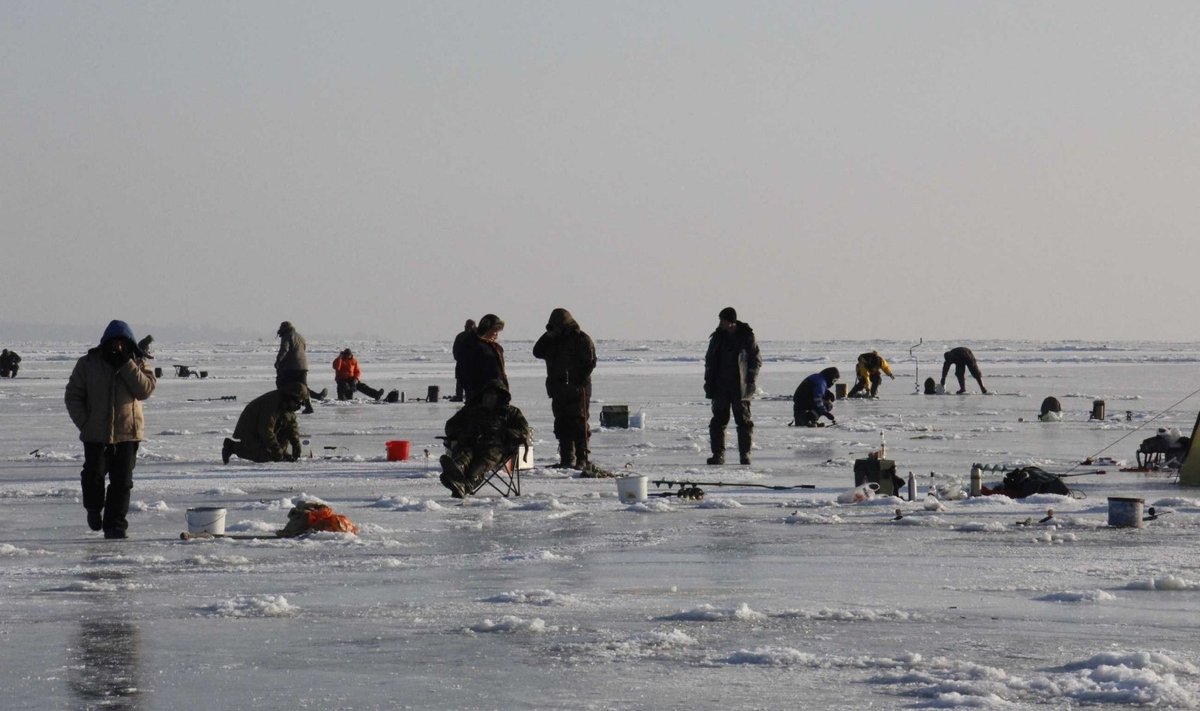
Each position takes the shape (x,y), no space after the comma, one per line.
(568,598)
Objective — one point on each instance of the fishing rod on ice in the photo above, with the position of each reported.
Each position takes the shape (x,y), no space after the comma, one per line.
(1117,441)
(691,489)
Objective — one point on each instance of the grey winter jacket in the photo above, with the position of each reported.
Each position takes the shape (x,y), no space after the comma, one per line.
(292,352)
(105,403)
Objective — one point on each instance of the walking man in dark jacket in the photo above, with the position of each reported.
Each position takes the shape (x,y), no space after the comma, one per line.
(962,359)
(570,359)
(731,368)
(104,398)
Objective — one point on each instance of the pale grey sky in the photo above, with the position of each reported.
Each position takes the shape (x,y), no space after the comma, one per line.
(833,170)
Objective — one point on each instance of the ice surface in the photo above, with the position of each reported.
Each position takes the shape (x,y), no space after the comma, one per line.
(569,598)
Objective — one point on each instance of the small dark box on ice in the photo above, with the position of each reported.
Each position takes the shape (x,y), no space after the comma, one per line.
(614,416)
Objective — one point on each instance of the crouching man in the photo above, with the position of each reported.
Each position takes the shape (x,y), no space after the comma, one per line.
(479,436)
(267,427)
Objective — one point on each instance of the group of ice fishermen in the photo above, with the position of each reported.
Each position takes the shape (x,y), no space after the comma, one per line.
(106,388)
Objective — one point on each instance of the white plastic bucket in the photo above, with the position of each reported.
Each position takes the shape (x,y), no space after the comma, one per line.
(1124,512)
(632,488)
(206,519)
(525,461)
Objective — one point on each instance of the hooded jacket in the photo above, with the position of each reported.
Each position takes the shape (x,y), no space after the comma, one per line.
(732,363)
(105,402)
(569,353)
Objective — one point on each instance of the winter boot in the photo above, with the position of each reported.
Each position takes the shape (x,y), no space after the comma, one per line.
(581,455)
(717,439)
(743,435)
(566,456)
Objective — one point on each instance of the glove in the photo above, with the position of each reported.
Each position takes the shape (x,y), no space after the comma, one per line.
(708,391)
(891,376)
(116,354)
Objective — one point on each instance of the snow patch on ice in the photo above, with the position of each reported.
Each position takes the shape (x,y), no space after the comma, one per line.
(38,493)
(858,614)
(708,613)
(651,506)
(217,561)
(223,491)
(775,657)
(537,555)
(511,624)
(814,518)
(143,507)
(404,503)
(1165,582)
(983,527)
(720,503)
(551,504)
(541,598)
(253,606)
(1079,596)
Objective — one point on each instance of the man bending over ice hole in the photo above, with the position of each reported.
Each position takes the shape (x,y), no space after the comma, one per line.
(267,427)
(813,398)
(962,359)
(479,435)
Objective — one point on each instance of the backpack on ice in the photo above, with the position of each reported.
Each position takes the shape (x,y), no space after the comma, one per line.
(314,516)
(1027,481)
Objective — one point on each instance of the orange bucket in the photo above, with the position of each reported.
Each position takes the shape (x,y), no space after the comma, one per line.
(397,450)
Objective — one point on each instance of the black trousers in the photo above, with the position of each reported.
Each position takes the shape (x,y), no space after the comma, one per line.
(116,461)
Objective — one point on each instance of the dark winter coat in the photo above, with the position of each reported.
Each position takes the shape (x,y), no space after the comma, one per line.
(461,342)
(480,427)
(483,362)
(569,353)
(105,402)
(266,428)
(732,363)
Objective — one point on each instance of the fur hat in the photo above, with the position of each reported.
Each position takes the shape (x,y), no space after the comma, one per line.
(728,314)
(831,374)
(284,328)
(487,323)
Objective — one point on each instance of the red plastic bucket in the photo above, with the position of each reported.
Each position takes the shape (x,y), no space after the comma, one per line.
(397,450)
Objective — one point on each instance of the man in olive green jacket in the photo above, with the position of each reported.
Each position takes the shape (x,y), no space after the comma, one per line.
(103,398)
(267,427)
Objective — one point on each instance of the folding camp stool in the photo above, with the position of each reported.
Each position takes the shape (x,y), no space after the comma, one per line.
(505,477)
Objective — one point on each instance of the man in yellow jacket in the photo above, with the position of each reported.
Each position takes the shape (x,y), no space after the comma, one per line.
(104,399)
(869,371)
